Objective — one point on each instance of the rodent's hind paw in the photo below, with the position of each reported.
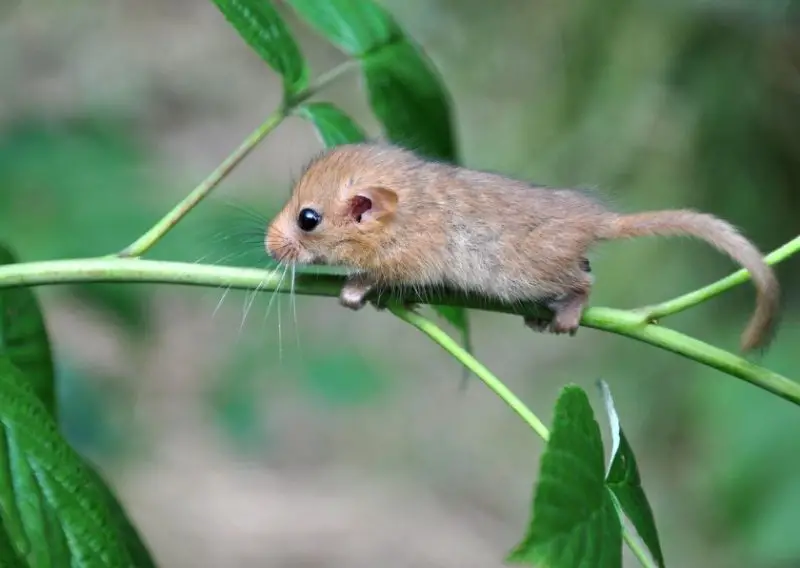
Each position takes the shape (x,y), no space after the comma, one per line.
(557,325)
(567,312)
(537,324)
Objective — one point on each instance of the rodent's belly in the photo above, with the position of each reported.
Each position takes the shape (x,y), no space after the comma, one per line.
(511,288)
(496,279)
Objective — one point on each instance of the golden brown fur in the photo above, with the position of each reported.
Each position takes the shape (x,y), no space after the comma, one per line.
(434,224)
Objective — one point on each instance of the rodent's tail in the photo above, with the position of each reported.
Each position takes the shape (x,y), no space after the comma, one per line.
(725,238)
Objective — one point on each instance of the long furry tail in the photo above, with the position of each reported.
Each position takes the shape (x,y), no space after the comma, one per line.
(725,238)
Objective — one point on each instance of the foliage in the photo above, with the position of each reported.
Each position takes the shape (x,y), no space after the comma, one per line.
(56,509)
(575,522)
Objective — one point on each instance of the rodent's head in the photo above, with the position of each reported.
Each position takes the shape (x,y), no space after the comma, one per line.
(338,213)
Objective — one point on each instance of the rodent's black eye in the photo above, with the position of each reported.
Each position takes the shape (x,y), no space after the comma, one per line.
(308,219)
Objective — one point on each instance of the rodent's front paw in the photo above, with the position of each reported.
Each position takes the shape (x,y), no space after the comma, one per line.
(352,298)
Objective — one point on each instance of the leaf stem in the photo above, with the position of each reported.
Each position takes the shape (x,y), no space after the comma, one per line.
(691,299)
(698,351)
(636,547)
(162,227)
(447,343)
(622,322)
(155,233)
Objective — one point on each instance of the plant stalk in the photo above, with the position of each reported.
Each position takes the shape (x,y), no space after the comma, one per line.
(691,299)
(461,355)
(157,231)
(622,322)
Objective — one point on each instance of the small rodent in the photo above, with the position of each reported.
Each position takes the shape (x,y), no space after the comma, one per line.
(396,218)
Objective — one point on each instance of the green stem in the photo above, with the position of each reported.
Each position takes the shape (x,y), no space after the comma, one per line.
(636,547)
(621,322)
(686,301)
(607,319)
(155,233)
(461,355)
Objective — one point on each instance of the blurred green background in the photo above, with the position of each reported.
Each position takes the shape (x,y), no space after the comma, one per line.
(340,439)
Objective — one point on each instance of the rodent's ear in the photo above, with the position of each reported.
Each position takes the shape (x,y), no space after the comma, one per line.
(374,203)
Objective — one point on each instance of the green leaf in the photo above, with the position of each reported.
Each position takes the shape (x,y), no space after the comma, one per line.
(624,481)
(93,174)
(260,25)
(356,27)
(575,522)
(23,337)
(9,558)
(409,99)
(333,126)
(457,317)
(55,512)
(405,92)
(133,540)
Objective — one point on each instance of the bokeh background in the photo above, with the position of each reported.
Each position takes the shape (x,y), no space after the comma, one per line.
(339,439)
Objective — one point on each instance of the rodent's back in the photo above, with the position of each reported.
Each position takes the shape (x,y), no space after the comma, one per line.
(489,220)
(473,230)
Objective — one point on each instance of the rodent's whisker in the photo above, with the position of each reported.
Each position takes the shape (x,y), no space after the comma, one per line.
(252,297)
(280,328)
(275,292)
(249,213)
(293,299)
(219,261)
(219,304)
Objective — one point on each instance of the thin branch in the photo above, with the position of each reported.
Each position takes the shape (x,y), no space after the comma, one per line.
(622,322)
(608,319)
(157,231)
(686,301)
(463,356)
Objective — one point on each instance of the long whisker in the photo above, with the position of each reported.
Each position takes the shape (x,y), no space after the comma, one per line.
(249,304)
(275,293)
(219,261)
(249,213)
(219,304)
(293,298)
(280,329)
(227,288)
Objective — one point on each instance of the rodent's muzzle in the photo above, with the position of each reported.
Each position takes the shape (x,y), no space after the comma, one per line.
(283,249)
(276,244)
